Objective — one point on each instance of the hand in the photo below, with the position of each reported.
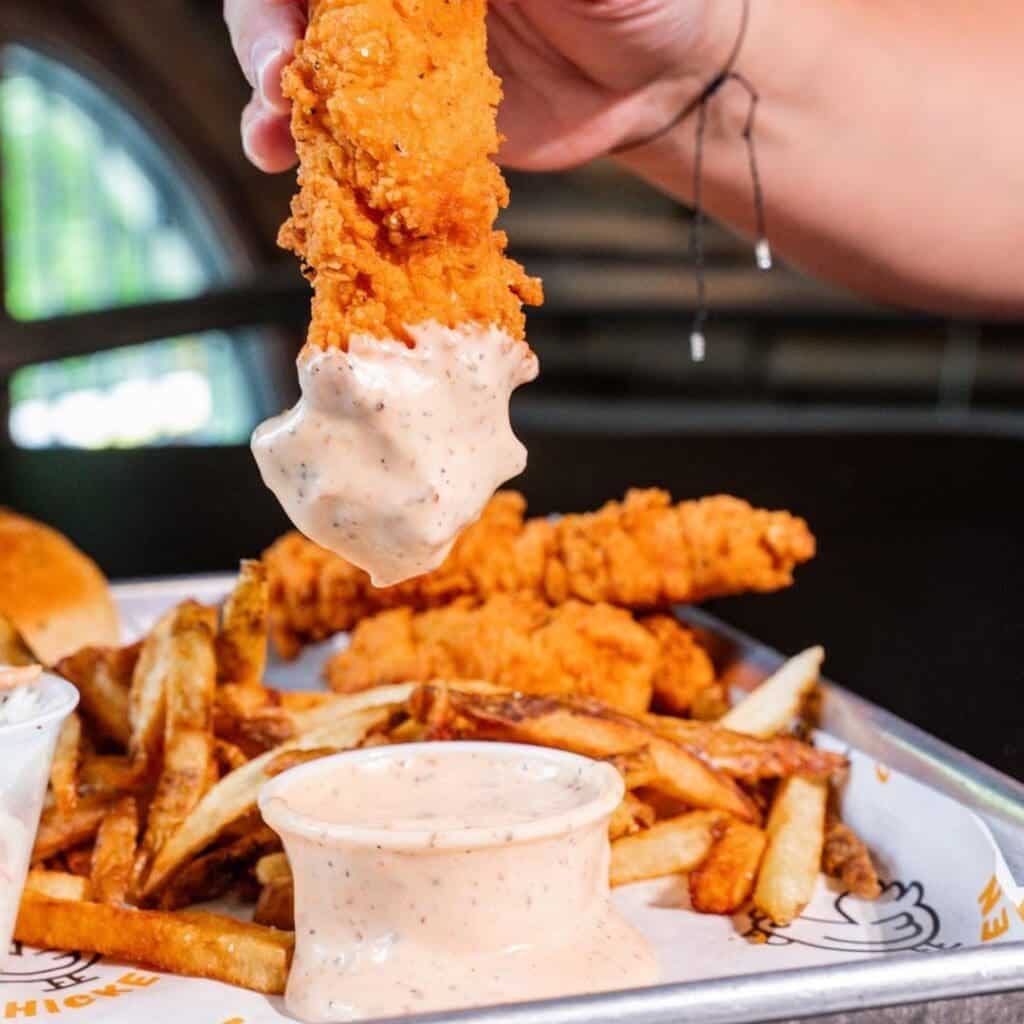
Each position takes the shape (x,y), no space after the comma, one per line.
(580,76)
(263,33)
(584,76)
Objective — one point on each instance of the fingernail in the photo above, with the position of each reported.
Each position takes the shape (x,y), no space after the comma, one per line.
(267,60)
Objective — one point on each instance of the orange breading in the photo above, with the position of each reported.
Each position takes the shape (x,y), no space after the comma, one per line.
(394,122)
(684,669)
(516,642)
(643,552)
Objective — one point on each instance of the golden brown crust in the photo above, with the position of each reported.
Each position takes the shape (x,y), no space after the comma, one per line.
(643,552)
(54,595)
(684,668)
(394,121)
(516,642)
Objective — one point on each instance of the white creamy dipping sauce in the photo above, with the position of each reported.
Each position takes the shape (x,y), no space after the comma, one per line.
(441,875)
(32,707)
(19,704)
(392,450)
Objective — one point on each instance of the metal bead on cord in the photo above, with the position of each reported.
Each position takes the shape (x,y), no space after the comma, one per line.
(699,105)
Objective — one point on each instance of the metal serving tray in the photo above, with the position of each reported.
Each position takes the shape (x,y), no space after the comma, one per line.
(843,993)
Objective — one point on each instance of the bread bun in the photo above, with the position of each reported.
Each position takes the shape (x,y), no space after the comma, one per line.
(54,596)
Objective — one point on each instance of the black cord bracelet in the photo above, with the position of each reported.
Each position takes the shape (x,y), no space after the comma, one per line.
(698,105)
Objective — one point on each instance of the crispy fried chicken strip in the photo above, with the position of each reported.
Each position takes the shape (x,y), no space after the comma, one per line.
(520,643)
(642,552)
(684,668)
(516,642)
(416,340)
(393,113)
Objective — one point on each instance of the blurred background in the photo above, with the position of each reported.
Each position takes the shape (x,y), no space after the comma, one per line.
(148,322)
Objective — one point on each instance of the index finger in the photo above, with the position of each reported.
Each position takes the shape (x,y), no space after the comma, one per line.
(263,35)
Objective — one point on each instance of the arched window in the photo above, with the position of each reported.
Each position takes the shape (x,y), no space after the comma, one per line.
(96,214)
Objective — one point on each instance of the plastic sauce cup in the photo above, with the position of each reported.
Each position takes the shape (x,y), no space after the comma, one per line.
(26,750)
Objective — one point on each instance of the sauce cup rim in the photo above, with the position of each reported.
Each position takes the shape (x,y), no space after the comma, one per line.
(62,700)
(285,819)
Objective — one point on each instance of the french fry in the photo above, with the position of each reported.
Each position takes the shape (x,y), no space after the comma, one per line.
(409,731)
(637,767)
(64,767)
(103,676)
(257,719)
(114,852)
(251,718)
(273,867)
(79,860)
(276,904)
(724,881)
(147,697)
(228,756)
(589,728)
(108,775)
(235,794)
(242,640)
(182,783)
(341,705)
(293,758)
(748,758)
(776,702)
(189,681)
(57,885)
(631,815)
(661,804)
(217,872)
(60,831)
(845,857)
(187,942)
(792,859)
(666,848)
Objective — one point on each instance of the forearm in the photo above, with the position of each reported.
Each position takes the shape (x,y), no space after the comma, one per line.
(887,140)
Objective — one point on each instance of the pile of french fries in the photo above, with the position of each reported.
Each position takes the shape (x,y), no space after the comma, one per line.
(152,803)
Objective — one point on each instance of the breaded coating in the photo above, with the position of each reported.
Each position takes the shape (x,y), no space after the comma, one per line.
(643,552)
(516,642)
(394,122)
(684,667)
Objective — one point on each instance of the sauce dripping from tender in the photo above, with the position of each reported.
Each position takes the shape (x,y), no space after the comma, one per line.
(392,450)
(443,875)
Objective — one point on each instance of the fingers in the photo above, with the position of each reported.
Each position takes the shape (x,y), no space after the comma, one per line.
(266,138)
(263,34)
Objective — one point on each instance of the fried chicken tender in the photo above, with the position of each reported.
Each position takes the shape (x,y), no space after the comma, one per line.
(516,642)
(643,552)
(684,668)
(393,117)
(520,643)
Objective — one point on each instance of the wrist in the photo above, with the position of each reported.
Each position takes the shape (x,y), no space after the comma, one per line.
(666,115)
(774,54)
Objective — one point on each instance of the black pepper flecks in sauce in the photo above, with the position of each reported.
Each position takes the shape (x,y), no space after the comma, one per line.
(351,434)
(424,920)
